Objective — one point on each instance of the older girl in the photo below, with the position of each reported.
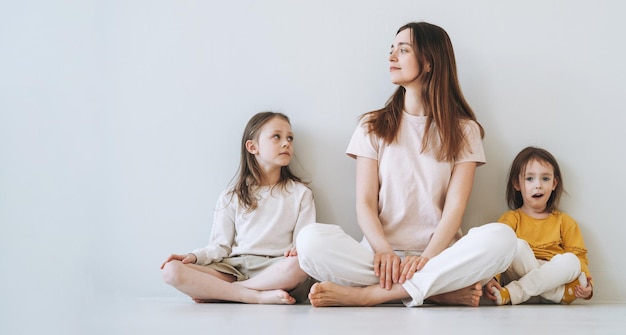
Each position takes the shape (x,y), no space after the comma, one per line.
(251,256)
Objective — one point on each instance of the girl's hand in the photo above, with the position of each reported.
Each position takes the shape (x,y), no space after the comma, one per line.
(291,252)
(387,268)
(410,265)
(185,259)
(584,292)
(487,289)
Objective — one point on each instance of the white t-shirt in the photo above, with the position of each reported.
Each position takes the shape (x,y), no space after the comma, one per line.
(269,230)
(413,185)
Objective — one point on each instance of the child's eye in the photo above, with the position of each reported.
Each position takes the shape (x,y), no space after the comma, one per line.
(290,138)
(529,178)
(546,178)
(404,50)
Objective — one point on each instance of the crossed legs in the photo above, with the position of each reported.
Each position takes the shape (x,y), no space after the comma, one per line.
(204,284)
(454,277)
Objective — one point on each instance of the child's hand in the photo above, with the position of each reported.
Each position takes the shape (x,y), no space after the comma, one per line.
(488,287)
(291,252)
(584,292)
(185,259)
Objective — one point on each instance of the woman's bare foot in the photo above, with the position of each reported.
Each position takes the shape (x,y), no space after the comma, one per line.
(326,294)
(468,296)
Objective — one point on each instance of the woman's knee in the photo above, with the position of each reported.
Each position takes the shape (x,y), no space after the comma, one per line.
(499,235)
(497,240)
(310,240)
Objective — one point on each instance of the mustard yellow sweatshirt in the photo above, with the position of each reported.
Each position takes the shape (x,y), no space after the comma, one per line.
(557,234)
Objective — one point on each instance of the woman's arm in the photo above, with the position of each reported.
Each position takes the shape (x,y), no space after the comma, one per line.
(457,197)
(386,262)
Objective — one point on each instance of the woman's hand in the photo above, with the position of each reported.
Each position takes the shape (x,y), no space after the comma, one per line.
(387,268)
(185,259)
(410,265)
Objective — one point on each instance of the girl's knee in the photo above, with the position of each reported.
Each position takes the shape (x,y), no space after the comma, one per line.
(568,260)
(171,272)
(291,267)
(522,244)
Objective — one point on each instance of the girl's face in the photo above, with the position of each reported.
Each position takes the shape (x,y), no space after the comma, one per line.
(403,64)
(273,147)
(536,184)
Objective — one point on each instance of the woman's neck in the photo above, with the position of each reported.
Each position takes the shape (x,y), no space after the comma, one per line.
(413,102)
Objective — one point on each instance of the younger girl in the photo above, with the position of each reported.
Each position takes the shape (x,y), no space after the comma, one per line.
(551,260)
(251,256)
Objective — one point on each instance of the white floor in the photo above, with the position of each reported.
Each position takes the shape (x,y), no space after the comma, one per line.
(182,316)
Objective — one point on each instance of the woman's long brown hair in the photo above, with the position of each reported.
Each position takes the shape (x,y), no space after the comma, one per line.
(441,93)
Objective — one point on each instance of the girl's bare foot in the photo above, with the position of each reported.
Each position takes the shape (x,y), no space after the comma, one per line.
(468,296)
(206,301)
(275,297)
(272,297)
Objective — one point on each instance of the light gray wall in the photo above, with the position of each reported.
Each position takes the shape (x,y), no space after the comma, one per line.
(120,120)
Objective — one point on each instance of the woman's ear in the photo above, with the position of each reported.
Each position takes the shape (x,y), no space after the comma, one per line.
(251,147)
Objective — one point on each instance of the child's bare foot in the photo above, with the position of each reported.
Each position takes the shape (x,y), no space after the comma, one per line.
(326,294)
(205,301)
(275,297)
(272,297)
(468,296)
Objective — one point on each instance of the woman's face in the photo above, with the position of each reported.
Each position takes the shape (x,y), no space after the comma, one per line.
(403,65)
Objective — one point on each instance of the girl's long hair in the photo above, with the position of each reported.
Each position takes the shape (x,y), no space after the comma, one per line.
(249,175)
(441,93)
(514,197)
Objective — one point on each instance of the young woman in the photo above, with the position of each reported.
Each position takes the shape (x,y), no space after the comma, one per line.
(251,256)
(415,165)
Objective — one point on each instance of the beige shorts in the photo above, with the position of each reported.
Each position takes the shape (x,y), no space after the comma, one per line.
(247,266)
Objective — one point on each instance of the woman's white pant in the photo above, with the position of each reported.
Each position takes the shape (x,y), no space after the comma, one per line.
(534,277)
(327,253)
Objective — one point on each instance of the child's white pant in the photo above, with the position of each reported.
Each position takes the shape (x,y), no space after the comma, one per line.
(327,253)
(535,277)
